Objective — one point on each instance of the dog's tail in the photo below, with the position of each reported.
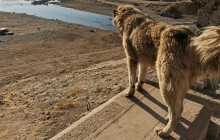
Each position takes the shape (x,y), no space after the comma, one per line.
(208,49)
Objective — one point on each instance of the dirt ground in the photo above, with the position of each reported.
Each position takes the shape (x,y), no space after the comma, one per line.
(52,72)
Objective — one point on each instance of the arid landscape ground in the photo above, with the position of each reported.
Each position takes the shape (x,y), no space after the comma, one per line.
(52,73)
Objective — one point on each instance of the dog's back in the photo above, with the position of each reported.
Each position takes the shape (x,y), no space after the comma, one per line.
(146,40)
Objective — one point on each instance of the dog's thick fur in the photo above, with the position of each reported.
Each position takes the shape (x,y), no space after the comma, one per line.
(179,57)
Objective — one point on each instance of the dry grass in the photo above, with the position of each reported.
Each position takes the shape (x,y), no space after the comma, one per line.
(69,102)
(98,90)
(104,74)
(65,104)
(76,89)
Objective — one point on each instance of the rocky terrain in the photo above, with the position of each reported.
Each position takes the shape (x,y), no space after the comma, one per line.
(209,12)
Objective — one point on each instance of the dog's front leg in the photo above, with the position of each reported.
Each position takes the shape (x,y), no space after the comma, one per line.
(132,69)
(141,75)
(132,65)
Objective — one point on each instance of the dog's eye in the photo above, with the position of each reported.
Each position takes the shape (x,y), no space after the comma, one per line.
(115,13)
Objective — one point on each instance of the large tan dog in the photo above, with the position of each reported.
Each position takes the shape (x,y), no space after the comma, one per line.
(179,57)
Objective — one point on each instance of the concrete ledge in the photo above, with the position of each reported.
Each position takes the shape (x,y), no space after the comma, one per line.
(199,127)
(136,118)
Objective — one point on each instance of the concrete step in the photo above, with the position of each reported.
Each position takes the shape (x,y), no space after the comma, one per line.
(136,118)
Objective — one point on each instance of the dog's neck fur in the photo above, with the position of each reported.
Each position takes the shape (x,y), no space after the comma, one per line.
(128,23)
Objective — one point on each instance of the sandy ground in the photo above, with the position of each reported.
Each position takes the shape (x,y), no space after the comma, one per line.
(53,72)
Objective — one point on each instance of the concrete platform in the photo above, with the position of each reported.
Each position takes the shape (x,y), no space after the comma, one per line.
(135,118)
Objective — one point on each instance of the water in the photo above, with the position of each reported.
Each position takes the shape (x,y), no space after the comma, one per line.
(52,11)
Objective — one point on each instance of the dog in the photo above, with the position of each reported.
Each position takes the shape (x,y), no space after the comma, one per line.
(178,56)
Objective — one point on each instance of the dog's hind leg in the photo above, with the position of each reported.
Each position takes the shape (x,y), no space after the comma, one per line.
(173,92)
(173,96)
(174,112)
(141,75)
(173,70)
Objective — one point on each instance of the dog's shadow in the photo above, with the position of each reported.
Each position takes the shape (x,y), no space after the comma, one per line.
(180,128)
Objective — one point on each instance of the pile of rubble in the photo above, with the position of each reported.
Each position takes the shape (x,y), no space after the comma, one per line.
(208,13)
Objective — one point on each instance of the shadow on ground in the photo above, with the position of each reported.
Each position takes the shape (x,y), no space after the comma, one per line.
(210,91)
(163,120)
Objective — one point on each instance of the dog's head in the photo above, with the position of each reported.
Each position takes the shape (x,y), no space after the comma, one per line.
(121,13)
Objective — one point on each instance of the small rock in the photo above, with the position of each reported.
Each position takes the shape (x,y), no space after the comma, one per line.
(39,2)
(83,114)
(136,4)
(2,115)
(92,31)
(48,113)
(1,100)
(5,31)
(65,84)
(103,101)
(48,117)
(62,71)
(171,12)
(25,102)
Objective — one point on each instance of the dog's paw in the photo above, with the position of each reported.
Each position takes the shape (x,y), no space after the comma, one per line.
(157,129)
(161,133)
(139,87)
(129,93)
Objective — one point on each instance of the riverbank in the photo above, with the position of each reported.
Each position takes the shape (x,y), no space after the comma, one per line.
(56,12)
(41,76)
